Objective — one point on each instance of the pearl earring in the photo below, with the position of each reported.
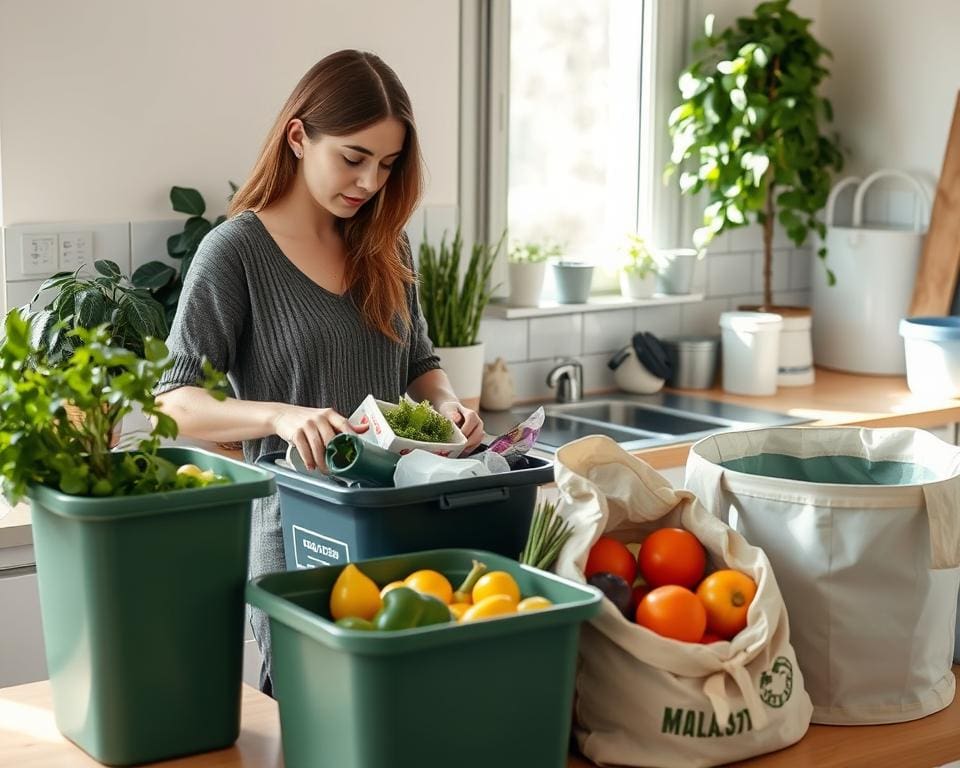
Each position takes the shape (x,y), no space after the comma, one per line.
(298,153)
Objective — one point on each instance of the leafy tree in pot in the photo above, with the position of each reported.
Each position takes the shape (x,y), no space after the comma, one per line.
(749,130)
(161,279)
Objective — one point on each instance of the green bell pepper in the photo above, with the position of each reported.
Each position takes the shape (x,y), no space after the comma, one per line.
(404,608)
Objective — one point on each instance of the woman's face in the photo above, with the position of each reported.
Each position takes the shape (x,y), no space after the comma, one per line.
(343,172)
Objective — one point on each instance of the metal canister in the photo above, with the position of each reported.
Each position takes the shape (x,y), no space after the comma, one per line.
(693,359)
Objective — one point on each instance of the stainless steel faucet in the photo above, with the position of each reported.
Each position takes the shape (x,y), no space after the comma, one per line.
(567,377)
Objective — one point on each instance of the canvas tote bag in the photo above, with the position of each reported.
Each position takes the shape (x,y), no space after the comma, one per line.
(647,700)
(862,527)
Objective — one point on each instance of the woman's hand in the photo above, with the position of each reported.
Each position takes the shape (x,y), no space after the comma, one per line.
(467,420)
(310,429)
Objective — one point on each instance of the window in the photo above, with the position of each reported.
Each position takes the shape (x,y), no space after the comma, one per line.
(558,127)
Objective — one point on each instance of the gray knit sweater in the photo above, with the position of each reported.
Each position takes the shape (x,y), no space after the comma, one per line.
(279,336)
(282,338)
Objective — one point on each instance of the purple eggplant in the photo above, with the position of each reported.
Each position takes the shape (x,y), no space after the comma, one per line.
(615,589)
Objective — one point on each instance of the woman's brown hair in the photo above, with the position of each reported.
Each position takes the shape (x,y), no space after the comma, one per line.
(343,93)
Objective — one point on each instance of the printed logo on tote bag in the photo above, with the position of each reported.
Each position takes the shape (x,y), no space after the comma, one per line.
(776,685)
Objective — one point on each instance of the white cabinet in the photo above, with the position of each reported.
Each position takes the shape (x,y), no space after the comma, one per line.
(21,636)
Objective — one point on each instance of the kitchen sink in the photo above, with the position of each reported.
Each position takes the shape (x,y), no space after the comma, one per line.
(648,421)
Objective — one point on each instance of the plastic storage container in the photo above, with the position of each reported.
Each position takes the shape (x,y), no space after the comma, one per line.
(751,352)
(490,693)
(329,524)
(142,606)
(932,349)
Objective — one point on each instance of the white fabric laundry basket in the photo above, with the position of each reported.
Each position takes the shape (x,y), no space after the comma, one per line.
(861,527)
(856,321)
(647,700)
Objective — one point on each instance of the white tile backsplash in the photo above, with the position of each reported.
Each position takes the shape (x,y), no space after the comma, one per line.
(504,338)
(801,269)
(780,267)
(702,318)
(530,379)
(728,273)
(596,374)
(441,220)
(556,336)
(749,238)
(660,321)
(607,331)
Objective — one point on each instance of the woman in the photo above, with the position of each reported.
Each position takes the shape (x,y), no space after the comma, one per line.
(306,296)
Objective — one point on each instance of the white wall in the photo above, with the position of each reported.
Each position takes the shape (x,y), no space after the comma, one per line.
(895,79)
(105,104)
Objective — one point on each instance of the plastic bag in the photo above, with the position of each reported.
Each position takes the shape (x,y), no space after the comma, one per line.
(420,467)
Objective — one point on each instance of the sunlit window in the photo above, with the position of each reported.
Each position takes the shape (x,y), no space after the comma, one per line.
(574,123)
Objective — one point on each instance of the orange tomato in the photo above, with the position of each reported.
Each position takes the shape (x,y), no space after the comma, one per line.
(673,611)
(672,556)
(428,582)
(727,595)
(611,556)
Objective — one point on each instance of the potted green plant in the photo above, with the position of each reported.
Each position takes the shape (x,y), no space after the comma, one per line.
(638,273)
(528,265)
(130,314)
(161,279)
(455,306)
(141,555)
(749,132)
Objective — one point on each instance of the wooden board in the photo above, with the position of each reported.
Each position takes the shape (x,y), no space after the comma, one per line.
(940,263)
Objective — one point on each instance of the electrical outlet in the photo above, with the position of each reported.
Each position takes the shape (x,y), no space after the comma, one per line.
(38,254)
(76,248)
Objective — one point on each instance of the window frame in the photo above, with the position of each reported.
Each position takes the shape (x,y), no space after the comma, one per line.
(485,119)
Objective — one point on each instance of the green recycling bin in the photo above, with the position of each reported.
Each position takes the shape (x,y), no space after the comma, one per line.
(497,692)
(142,604)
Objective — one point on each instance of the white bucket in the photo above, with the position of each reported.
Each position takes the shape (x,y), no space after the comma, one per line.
(751,350)
(464,368)
(796,351)
(858,318)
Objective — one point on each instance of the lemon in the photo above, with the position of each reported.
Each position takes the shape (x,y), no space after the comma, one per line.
(190,470)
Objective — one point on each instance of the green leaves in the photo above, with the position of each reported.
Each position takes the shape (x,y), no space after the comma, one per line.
(749,127)
(188,201)
(454,307)
(56,420)
(162,280)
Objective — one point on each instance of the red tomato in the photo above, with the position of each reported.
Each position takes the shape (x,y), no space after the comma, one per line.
(639,592)
(611,556)
(675,612)
(672,556)
(727,596)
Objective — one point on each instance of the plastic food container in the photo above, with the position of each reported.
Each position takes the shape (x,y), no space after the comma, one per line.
(751,352)
(932,349)
(325,523)
(489,693)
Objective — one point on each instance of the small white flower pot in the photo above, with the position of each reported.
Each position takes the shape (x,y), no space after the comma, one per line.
(632,286)
(464,368)
(526,283)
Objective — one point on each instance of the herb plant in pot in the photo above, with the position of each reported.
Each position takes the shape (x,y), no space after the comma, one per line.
(141,555)
(749,132)
(638,275)
(454,308)
(528,266)
(130,315)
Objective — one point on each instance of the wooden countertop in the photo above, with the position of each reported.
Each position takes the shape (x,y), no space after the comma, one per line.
(29,739)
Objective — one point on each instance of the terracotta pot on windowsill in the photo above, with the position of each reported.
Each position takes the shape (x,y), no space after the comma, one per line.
(795,361)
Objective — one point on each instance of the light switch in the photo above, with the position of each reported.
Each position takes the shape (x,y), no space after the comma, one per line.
(38,254)
(76,248)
